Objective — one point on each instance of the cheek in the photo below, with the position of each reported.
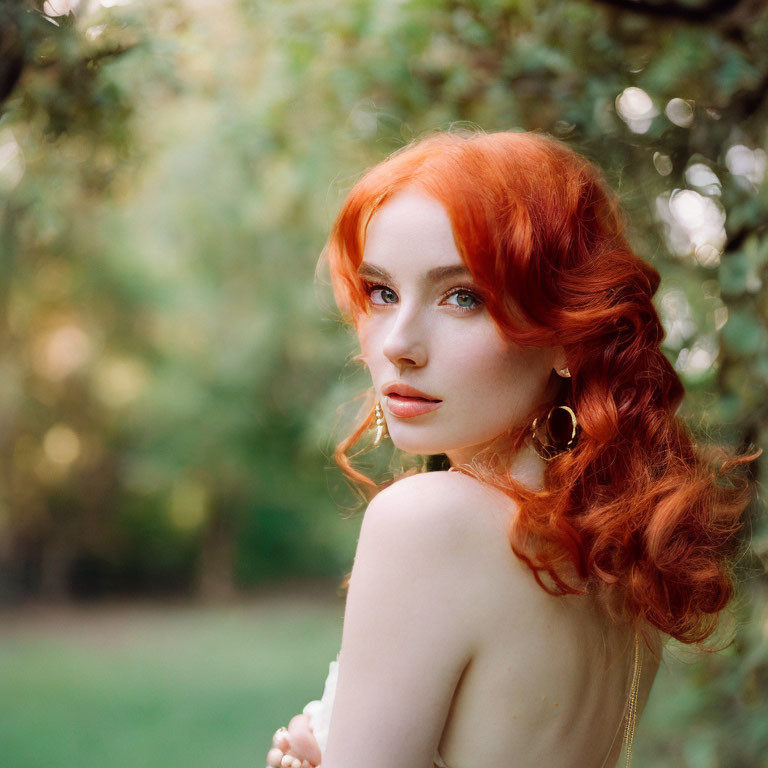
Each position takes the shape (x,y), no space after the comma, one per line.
(479,354)
(496,370)
(366,337)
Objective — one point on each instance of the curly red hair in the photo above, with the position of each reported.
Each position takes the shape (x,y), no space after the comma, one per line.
(636,505)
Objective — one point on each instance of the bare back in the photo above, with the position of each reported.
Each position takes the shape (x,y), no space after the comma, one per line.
(550,679)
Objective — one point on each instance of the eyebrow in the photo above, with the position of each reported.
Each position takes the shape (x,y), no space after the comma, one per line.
(438,273)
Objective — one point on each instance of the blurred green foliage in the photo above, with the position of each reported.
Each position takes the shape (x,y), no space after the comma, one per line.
(171,372)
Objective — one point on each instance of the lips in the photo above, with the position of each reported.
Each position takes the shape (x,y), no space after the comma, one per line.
(405,401)
(400,389)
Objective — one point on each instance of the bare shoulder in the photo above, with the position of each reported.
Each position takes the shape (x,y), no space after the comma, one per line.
(447,532)
(439,512)
(429,541)
(453,497)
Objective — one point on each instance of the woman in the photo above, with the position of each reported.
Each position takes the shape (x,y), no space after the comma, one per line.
(510,608)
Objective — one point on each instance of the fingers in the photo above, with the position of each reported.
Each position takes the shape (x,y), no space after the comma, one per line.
(298,721)
(281,743)
(289,761)
(282,739)
(284,752)
(303,742)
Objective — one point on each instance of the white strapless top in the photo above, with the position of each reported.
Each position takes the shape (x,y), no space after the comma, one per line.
(320,712)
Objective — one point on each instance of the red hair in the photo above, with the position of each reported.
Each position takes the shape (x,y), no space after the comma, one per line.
(636,506)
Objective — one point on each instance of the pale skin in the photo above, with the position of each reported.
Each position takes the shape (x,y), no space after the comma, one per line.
(448,641)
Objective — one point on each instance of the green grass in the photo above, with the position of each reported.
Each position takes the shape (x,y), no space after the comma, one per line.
(159,686)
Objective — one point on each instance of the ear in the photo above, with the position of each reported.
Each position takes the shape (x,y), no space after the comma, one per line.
(559,360)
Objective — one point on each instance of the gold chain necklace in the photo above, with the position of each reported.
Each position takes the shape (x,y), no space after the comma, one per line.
(629,731)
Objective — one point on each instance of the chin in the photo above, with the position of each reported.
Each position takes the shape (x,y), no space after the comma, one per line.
(426,444)
(421,447)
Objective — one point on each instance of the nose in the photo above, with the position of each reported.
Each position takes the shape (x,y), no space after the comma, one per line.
(404,343)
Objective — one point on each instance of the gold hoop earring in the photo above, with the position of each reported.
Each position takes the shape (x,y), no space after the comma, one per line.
(381,426)
(553,448)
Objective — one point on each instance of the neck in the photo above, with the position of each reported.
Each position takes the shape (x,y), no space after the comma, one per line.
(527,467)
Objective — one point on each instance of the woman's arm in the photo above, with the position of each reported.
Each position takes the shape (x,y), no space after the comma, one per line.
(409,623)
